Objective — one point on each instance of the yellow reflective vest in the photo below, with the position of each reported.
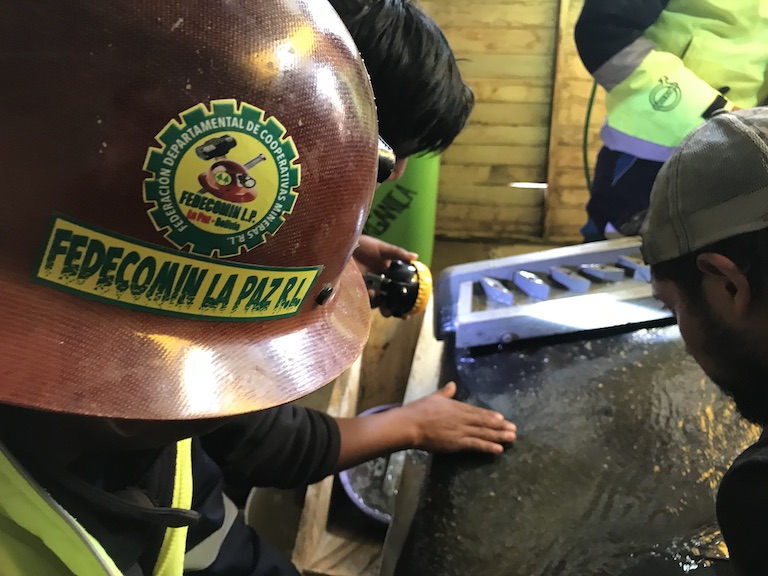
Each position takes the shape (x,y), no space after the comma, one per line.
(664,65)
(39,537)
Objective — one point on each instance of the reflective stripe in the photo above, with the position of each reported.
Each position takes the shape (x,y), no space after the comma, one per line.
(206,552)
(622,64)
(621,142)
(171,559)
(35,512)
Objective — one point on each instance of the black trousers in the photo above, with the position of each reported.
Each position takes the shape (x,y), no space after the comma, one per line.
(620,191)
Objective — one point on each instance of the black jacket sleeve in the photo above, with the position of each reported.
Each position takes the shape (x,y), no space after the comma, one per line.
(605,27)
(742,510)
(284,447)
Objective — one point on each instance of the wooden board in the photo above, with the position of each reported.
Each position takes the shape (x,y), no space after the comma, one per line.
(387,360)
(484,40)
(567,194)
(424,379)
(532,92)
(496,175)
(501,196)
(482,155)
(510,114)
(319,551)
(509,14)
(324,551)
(506,54)
(538,89)
(526,220)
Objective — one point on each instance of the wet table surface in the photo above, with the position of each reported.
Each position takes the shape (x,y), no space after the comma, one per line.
(622,443)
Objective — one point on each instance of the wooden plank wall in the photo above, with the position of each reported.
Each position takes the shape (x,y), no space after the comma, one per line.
(506,49)
(567,193)
(527,123)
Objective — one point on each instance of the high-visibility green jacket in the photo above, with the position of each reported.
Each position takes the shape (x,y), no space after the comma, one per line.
(668,64)
(37,536)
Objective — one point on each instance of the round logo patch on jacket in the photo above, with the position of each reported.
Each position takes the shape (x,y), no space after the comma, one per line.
(666,96)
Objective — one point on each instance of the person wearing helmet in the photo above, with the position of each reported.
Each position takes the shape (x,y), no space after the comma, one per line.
(193,178)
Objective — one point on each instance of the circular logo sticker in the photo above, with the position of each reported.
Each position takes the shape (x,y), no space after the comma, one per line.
(222,180)
(666,96)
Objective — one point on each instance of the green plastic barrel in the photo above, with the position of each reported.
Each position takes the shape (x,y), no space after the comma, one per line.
(403,211)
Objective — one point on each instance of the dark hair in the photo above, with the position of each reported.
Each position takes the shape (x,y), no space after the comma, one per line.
(422,101)
(748,251)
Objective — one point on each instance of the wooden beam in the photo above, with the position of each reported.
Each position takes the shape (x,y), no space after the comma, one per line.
(488,222)
(504,135)
(318,550)
(492,14)
(501,196)
(387,360)
(483,155)
(518,66)
(452,176)
(468,40)
(533,89)
(510,114)
(564,210)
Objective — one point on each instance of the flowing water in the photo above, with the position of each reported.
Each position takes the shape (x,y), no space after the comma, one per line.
(622,442)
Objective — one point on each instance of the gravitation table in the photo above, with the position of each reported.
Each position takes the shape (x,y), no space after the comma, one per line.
(622,440)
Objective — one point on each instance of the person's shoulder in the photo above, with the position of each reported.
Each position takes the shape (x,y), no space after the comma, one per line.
(756,454)
(742,508)
(749,470)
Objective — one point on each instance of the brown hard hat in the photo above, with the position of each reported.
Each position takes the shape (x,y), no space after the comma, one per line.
(131,290)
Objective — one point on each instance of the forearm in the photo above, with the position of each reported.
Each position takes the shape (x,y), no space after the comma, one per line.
(367,437)
(435,423)
(282,447)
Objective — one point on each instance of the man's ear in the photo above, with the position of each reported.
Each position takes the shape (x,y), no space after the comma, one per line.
(725,286)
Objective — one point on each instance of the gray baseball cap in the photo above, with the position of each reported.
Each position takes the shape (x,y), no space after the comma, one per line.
(713,187)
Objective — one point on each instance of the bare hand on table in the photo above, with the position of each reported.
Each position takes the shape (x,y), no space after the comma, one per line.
(436,423)
(447,425)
